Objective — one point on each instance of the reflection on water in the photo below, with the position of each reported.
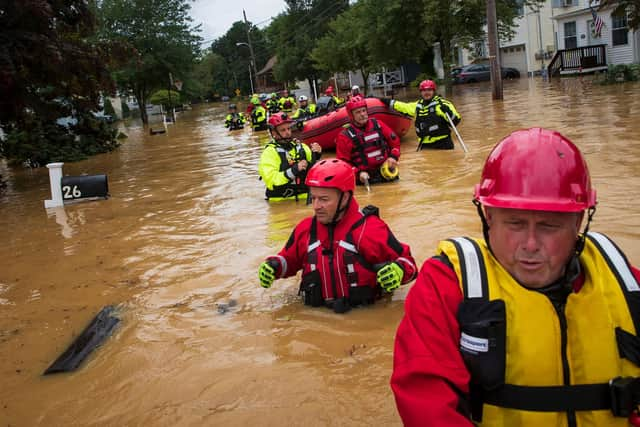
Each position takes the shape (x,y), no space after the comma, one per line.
(183,234)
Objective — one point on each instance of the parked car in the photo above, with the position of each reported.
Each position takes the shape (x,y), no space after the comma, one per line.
(481,72)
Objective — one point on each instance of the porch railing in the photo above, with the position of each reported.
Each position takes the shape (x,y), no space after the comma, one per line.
(578,59)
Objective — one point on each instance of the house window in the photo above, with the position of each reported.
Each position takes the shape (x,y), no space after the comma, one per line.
(619,30)
(570,38)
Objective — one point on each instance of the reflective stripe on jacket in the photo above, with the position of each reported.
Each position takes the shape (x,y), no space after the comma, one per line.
(582,343)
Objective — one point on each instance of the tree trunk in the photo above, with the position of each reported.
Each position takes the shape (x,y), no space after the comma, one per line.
(142,105)
(365,77)
(445,53)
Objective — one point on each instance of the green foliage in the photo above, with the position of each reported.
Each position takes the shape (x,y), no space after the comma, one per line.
(295,35)
(108,108)
(161,39)
(621,73)
(47,54)
(169,99)
(630,7)
(39,142)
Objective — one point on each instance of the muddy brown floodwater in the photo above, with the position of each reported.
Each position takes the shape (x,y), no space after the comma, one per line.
(184,232)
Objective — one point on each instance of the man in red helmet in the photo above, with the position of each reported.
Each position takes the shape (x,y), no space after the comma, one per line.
(348,256)
(337,101)
(368,144)
(284,161)
(430,112)
(537,323)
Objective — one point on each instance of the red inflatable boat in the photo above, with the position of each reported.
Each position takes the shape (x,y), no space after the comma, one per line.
(324,129)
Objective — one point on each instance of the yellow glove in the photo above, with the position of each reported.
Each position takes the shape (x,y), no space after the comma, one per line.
(390,276)
(267,273)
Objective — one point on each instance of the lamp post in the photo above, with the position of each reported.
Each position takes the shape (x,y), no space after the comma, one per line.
(252,64)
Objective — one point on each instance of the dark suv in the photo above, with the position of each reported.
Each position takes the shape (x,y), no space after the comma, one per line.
(481,72)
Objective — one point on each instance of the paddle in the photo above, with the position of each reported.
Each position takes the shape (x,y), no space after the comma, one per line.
(455,129)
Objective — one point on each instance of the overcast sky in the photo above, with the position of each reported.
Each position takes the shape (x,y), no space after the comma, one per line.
(216,16)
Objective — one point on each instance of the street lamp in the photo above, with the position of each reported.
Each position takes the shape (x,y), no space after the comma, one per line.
(251,65)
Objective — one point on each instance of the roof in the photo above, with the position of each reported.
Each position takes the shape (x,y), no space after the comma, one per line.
(269,65)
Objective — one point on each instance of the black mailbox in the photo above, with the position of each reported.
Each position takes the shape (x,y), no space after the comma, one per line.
(83,187)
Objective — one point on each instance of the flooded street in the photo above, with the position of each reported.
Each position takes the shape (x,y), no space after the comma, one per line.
(183,234)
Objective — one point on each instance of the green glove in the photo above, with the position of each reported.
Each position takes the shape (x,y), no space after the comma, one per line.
(266,274)
(390,276)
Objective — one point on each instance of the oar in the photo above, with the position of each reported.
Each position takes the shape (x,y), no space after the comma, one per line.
(367,186)
(455,129)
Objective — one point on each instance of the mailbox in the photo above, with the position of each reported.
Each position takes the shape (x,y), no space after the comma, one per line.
(83,187)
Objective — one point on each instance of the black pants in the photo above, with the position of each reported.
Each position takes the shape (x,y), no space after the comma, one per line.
(443,144)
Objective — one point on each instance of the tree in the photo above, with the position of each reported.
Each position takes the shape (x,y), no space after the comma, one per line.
(630,7)
(51,66)
(347,46)
(161,39)
(295,34)
(46,56)
(235,71)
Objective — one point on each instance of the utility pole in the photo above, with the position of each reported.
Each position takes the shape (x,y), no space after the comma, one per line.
(253,59)
(494,51)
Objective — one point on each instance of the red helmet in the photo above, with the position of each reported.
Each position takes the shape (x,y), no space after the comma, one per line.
(427,84)
(329,91)
(536,169)
(332,173)
(277,119)
(354,103)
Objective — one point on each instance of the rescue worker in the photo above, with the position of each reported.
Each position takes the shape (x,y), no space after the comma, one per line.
(430,112)
(348,256)
(234,119)
(305,110)
(258,115)
(253,100)
(537,323)
(369,145)
(272,105)
(355,91)
(284,161)
(337,102)
(287,103)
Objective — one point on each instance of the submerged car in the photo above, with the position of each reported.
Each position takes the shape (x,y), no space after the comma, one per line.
(481,72)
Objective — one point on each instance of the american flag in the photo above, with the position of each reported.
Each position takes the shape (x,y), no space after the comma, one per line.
(598,23)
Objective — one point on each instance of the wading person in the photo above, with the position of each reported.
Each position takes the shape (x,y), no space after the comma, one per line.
(537,323)
(285,160)
(432,126)
(287,103)
(258,115)
(369,145)
(305,110)
(272,104)
(234,119)
(348,256)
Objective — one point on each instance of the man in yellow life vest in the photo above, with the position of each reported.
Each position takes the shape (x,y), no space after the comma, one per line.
(285,161)
(287,103)
(338,102)
(536,324)
(234,119)
(272,104)
(430,112)
(305,110)
(258,114)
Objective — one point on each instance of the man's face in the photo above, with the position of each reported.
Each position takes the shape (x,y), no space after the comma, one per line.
(360,116)
(427,93)
(304,103)
(533,246)
(284,130)
(285,93)
(325,203)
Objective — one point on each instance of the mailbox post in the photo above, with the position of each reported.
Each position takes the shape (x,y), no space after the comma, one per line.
(70,188)
(55,176)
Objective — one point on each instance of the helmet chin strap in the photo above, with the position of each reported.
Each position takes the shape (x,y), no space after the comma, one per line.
(581,237)
(339,210)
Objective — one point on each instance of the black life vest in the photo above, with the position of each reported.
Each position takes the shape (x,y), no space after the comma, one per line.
(428,122)
(289,153)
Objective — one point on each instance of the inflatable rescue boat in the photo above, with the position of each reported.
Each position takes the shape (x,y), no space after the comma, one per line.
(325,128)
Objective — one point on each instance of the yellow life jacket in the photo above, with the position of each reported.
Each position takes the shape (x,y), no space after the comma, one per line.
(555,366)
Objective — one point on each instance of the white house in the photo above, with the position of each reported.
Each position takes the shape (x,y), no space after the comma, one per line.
(576,29)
